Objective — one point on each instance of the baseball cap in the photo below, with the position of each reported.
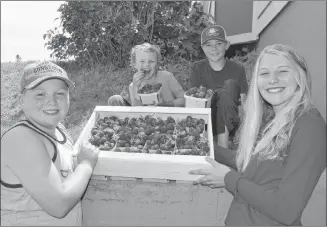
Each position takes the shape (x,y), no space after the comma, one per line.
(36,73)
(216,32)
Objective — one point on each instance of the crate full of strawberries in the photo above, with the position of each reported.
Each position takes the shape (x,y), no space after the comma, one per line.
(150,93)
(198,97)
(149,142)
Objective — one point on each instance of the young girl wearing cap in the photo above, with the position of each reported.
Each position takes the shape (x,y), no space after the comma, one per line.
(282,149)
(145,59)
(39,183)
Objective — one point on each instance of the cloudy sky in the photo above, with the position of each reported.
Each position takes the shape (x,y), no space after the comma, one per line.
(23,24)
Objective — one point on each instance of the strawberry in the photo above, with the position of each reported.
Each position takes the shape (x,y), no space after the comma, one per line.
(170,132)
(170,126)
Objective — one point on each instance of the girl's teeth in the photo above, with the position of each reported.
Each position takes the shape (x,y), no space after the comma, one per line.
(51,111)
(275,89)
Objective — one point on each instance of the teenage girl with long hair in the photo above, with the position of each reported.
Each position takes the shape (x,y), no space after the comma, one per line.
(282,148)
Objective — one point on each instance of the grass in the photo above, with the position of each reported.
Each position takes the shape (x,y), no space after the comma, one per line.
(93,87)
(10,79)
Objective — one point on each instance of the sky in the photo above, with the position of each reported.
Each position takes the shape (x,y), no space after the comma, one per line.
(23,24)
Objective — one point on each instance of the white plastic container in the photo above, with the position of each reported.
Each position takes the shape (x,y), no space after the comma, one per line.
(193,102)
(152,98)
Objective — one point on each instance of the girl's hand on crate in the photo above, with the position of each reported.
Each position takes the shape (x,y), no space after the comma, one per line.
(212,178)
(88,153)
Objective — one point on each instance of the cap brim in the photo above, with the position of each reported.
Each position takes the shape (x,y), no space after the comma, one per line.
(37,82)
(214,38)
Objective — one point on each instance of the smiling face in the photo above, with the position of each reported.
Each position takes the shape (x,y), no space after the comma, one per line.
(146,61)
(215,49)
(277,80)
(47,104)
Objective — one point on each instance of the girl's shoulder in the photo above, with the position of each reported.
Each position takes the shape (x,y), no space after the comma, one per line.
(311,122)
(312,115)
(165,75)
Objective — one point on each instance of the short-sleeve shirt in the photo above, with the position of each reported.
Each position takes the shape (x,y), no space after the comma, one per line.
(171,89)
(202,74)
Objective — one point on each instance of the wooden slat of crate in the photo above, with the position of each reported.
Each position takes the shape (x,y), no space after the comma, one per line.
(139,165)
(164,112)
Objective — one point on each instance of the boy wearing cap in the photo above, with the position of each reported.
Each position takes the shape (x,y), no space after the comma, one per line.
(39,183)
(225,77)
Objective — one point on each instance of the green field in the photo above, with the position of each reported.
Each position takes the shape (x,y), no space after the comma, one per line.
(93,87)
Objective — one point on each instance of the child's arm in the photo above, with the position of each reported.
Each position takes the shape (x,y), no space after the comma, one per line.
(135,98)
(225,156)
(179,102)
(177,91)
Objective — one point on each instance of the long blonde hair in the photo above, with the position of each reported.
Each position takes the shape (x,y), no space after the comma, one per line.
(263,134)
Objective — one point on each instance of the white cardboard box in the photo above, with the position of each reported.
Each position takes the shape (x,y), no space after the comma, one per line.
(145,165)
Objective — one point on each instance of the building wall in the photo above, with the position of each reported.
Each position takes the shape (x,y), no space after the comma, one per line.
(302,25)
(234,16)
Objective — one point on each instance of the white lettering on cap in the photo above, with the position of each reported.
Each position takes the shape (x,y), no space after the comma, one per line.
(47,69)
(212,32)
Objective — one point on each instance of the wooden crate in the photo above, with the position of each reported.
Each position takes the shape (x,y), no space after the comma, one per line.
(145,165)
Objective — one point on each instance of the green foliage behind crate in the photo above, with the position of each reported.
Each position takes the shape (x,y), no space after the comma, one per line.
(105,31)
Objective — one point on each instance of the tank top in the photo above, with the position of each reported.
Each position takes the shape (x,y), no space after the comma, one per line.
(19,208)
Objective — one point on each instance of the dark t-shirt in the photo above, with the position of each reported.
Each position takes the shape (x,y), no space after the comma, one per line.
(202,74)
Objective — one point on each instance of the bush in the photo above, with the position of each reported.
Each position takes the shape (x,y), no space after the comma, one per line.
(180,68)
(105,31)
(248,62)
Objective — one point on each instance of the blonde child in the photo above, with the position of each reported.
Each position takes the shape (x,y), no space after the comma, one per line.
(145,58)
(39,183)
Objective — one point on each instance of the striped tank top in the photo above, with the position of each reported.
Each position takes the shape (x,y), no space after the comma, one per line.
(19,208)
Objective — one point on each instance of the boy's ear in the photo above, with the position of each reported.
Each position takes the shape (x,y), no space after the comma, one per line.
(20,98)
(227,45)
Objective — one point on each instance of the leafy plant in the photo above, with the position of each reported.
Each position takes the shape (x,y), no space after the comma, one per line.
(248,62)
(102,32)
